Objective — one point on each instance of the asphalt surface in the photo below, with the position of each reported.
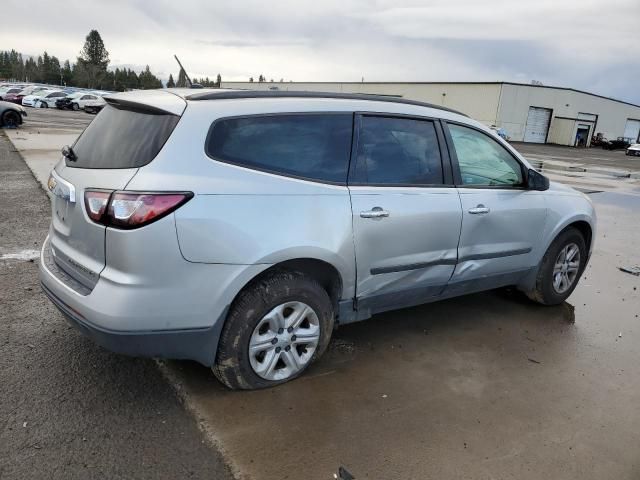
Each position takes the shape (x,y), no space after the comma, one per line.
(68,409)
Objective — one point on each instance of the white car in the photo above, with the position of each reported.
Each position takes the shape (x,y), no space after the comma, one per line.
(79,102)
(633,149)
(94,106)
(30,100)
(49,99)
(32,89)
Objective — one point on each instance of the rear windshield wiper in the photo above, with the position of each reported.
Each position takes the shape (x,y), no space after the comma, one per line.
(69,154)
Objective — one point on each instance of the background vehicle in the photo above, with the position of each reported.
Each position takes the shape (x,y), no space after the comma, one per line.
(79,102)
(251,222)
(633,149)
(65,102)
(94,106)
(17,97)
(30,100)
(11,115)
(48,99)
(617,144)
(9,90)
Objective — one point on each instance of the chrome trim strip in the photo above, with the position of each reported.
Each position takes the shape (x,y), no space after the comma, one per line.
(61,188)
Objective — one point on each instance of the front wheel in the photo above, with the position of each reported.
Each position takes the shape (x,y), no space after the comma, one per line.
(43,105)
(560,268)
(275,329)
(10,119)
(75,107)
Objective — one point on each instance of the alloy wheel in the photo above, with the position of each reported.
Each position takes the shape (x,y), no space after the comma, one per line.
(284,341)
(566,268)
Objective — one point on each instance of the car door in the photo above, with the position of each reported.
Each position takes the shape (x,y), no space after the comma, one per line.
(502,221)
(406,212)
(83,100)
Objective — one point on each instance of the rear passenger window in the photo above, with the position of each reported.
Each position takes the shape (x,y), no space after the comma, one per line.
(398,151)
(313,146)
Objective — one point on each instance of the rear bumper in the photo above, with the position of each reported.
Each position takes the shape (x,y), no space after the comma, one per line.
(196,344)
(142,306)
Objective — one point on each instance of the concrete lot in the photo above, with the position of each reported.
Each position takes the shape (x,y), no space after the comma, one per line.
(484,386)
(69,410)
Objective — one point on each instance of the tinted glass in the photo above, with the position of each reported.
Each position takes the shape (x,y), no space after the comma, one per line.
(398,151)
(314,146)
(119,138)
(482,160)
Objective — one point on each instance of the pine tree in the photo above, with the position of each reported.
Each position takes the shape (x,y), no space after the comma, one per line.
(171,83)
(218,81)
(93,60)
(251,79)
(182,79)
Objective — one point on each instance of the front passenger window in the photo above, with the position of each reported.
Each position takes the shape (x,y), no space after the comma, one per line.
(483,161)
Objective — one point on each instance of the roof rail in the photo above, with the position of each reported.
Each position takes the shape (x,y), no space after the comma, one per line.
(235,94)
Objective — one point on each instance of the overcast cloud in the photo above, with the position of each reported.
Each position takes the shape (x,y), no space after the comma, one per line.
(584,44)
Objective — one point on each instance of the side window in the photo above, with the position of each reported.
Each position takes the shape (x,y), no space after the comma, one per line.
(398,151)
(86,97)
(482,160)
(313,146)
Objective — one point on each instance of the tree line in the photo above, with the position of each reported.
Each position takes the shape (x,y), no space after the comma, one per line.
(89,71)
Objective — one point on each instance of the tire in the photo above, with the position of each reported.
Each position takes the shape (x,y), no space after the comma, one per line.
(251,321)
(43,105)
(547,291)
(11,119)
(75,107)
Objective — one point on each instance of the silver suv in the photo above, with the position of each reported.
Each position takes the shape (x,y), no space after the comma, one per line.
(238,228)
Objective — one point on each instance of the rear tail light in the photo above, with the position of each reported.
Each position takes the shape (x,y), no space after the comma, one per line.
(127,210)
(95,201)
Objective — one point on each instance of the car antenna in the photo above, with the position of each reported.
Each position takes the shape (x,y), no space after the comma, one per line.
(191,84)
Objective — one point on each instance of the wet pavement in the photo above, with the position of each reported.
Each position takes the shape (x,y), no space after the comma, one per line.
(483,386)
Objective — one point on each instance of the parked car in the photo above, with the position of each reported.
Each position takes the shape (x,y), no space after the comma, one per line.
(633,150)
(30,100)
(94,106)
(237,228)
(8,91)
(618,144)
(11,115)
(79,101)
(64,103)
(17,97)
(48,99)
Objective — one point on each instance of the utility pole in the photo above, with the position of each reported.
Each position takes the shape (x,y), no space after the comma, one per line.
(185,72)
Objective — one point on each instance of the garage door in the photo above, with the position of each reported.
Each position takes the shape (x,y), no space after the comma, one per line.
(537,125)
(632,130)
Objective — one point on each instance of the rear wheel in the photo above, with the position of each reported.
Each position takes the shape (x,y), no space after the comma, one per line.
(560,268)
(11,119)
(75,106)
(274,331)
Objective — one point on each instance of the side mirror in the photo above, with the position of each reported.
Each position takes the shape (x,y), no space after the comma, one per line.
(537,181)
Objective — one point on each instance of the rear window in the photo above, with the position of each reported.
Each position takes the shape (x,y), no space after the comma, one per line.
(311,146)
(120,138)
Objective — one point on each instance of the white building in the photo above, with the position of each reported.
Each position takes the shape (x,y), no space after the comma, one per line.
(529,113)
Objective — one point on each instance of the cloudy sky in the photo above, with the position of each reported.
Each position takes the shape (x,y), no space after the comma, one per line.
(585,44)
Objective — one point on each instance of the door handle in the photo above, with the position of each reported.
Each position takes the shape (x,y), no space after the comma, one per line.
(479,210)
(375,212)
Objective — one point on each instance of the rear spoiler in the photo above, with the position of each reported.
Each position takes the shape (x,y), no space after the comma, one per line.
(138,107)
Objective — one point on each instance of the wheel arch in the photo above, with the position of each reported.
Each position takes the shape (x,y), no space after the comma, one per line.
(583,223)
(322,271)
